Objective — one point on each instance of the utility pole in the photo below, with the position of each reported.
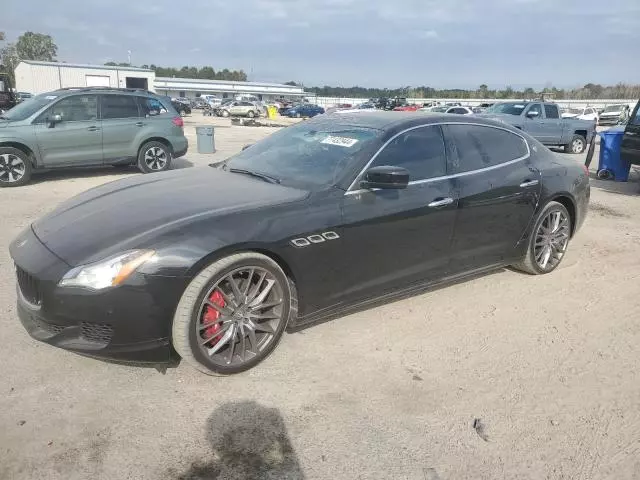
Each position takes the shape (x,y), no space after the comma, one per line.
(129,57)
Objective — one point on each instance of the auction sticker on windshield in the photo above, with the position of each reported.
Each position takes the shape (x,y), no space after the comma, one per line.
(340,141)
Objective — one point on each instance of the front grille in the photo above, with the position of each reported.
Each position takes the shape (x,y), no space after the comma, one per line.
(47,327)
(29,286)
(96,332)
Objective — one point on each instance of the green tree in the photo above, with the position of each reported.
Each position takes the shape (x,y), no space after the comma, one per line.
(36,46)
(10,59)
(208,73)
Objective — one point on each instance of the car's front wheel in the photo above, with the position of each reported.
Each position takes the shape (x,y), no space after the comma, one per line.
(233,314)
(250,114)
(154,157)
(548,241)
(15,167)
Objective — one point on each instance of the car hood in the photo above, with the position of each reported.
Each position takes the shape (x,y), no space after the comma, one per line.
(133,212)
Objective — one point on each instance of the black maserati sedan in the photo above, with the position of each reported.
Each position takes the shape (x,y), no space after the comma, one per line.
(337,213)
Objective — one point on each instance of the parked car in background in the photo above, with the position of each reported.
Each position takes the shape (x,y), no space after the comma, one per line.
(243,109)
(304,110)
(200,103)
(542,121)
(89,127)
(22,96)
(482,107)
(630,147)
(8,98)
(182,107)
(460,110)
(222,110)
(406,108)
(614,114)
(300,227)
(581,113)
(363,107)
(436,109)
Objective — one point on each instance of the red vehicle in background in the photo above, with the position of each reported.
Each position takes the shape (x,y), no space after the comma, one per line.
(406,108)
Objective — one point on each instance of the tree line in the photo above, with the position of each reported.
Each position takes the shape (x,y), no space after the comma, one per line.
(205,73)
(588,91)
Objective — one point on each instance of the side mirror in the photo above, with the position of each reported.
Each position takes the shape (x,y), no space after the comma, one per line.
(385,176)
(533,114)
(53,119)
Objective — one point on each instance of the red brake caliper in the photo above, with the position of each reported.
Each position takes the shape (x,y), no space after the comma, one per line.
(211,316)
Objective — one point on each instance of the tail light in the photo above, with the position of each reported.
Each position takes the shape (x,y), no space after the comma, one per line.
(178,122)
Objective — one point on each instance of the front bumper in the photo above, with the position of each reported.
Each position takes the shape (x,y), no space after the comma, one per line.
(130,323)
(608,120)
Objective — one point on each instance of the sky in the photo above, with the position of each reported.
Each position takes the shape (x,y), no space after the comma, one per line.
(371,43)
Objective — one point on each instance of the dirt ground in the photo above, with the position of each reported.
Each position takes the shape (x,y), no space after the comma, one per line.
(503,376)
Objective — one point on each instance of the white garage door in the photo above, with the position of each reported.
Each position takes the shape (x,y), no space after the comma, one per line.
(97,81)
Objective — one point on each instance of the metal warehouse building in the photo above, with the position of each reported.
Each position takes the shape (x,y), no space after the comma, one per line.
(189,87)
(39,77)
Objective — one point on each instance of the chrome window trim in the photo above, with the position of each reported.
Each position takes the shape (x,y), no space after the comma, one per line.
(443,177)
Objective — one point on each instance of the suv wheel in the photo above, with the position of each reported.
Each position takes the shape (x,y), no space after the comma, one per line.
(154,157)
(15,167)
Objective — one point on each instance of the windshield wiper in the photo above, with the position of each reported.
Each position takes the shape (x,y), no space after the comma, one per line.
(261,176)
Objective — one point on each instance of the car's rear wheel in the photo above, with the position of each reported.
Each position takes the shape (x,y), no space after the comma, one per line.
(183,113)
(548,241)
(225,113)
(250,114)
(154,157)
(233,314)
(15,167)
(577,144)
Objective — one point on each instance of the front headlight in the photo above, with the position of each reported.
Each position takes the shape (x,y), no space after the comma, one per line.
(106,273)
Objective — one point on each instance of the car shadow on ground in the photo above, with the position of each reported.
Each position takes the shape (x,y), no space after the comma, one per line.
(246,441)
(631,187)
(106,171)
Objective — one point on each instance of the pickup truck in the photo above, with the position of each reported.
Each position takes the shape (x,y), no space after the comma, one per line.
(542,121)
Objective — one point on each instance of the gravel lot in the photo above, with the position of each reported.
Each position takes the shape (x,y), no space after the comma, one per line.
(546,368)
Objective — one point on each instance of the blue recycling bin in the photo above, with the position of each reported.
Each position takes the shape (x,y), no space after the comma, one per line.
(610,165)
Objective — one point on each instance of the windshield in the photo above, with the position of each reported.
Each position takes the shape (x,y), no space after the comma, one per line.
(506,108)
(307,155)
(30,106)
(614,108)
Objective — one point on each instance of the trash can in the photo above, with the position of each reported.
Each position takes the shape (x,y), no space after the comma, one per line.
(610,165)
(206,141)
(272,112)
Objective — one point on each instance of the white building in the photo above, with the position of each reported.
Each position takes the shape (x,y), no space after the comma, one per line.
(191,88)
(39,77)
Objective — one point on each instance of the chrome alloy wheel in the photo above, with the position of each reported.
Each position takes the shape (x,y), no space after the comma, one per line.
(577,146)
(239,316)
(551,240)
(12,168)
(156,158)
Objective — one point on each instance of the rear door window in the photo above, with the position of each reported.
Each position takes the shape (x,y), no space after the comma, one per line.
(475,147)
(119,106)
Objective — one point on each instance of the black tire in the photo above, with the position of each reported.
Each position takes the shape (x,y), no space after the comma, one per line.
(250,114)
(162,160)
(186,322)
(225,113)
(577,145)
(529,264)
(183,113)
(14,163)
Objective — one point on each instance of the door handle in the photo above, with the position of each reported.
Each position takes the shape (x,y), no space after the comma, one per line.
(139,124)
(93,128)
(529,183)
(441,202)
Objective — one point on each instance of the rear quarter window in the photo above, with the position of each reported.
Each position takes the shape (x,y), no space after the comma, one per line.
(475,147)
(151,107)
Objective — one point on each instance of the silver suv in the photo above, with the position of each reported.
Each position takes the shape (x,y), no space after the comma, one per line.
(89,127)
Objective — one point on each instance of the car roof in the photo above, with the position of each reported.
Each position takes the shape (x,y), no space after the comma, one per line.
(384,120)
(106,90)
